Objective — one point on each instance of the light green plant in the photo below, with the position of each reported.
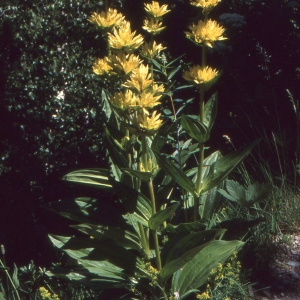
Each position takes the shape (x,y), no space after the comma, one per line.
(145,247)
(224,282)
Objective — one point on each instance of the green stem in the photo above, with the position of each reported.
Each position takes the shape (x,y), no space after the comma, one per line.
(201,146)
(144,241)
(155,237)
(153,203)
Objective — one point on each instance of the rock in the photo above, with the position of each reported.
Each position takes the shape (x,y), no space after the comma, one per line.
(293,263)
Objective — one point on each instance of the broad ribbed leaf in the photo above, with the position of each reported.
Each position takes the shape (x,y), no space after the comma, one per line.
(157,219)
(224,166)
(210,111)
(191,241)
(195,273)
(98,178)
(185,227)
(195,128)
(177,264)
(175,173)
(94,253)
(87,210)
(144,176)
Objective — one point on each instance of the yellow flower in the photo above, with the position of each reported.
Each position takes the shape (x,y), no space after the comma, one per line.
(153,26)
(106,20)
(157,89)
(150,123)
(205,33)
(198,76)
(140,79)
(124,100)
(124,64)
(148,100)
(102,66)
(203,296)
(123,39)
(156,11)
(207,5)
(151,50)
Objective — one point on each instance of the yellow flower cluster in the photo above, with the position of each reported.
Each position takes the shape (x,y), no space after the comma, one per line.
(139,93)
(205,33)
(155,12)
(45,294)
(122,38)
(151,50)
(106,20)
(207,5)
(198,76)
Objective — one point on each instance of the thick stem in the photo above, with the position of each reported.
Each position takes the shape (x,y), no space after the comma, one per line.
(153,203)
(201,145)
(155,237)
(144,241)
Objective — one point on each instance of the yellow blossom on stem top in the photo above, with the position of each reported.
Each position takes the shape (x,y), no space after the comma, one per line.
(102,67)
(124,100)
(124,63)
(140,79)
(142,124)
(123,39)
(206,33)
(148,100)
(155,11)
(151,50)
(153,26)
(106,20)
(150,123)
(207,5)
(201,76)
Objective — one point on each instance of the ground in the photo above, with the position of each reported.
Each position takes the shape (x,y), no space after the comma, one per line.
(283,273)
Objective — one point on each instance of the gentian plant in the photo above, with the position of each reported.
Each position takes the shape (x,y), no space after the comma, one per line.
(160,244)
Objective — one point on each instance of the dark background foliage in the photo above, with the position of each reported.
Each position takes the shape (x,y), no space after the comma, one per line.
(50,115)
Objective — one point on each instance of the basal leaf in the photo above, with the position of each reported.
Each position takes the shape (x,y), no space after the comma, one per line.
(195,273)
(98,178)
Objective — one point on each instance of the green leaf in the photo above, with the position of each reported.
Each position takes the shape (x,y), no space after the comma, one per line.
(98,178)
(173,72)
(157,219)
(185,227)
(195,273)
(86,210)
(195,128)
(144,176)
(245,197)
(135,202)
(191,241)
(15,278)
(177,264)
(176,173)
(224,166)
(120,236)
(95,253)
(210,111)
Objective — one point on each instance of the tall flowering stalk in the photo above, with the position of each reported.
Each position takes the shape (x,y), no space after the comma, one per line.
(148,244)
(203,34)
